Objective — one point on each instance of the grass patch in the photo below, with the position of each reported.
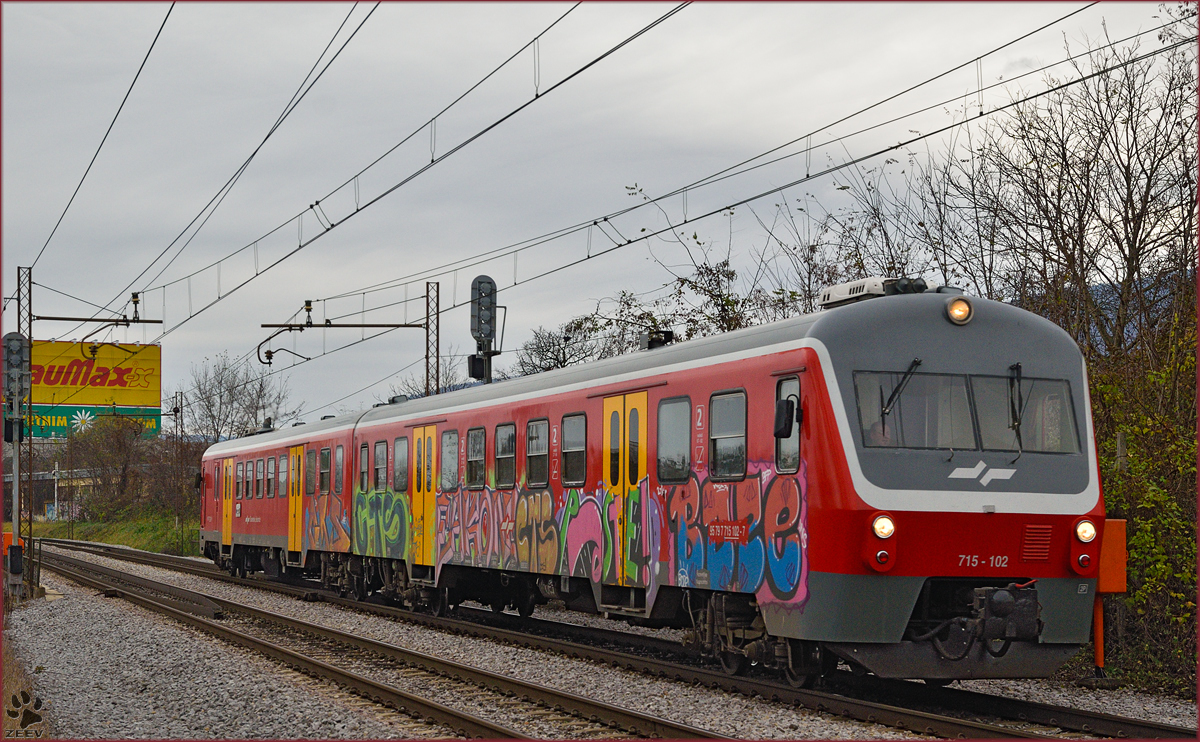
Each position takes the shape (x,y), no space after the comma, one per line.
(148,532)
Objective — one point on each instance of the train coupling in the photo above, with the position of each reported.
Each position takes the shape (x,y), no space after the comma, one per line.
(1010,613)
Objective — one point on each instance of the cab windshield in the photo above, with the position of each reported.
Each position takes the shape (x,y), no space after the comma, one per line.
(961,412)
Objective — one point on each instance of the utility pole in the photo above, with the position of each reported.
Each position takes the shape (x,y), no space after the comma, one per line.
(25,327)
(433,376)
(56,488)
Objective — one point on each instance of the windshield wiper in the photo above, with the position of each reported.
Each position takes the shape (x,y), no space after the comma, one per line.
(1015,405)
(886,409)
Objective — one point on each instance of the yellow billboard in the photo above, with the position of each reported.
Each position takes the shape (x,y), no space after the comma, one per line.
(128,375)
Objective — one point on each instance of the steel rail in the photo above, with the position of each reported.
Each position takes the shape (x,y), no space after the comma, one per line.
(970,701)
(463,723)
(1092,722)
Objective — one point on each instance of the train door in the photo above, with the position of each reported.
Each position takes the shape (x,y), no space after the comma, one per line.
(296,475)
(226,474)
(424,497)
(624,426)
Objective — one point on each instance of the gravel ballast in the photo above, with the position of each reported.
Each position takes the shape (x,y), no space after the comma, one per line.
(115,670)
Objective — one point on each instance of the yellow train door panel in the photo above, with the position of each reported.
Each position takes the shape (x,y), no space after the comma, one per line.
(424,498)
(633,545)
(624,458)
(613,424)
(295,497)
(227,502)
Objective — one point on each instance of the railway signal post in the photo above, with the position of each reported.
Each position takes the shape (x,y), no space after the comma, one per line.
(483,328)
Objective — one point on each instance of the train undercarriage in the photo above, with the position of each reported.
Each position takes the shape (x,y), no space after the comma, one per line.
(958,629)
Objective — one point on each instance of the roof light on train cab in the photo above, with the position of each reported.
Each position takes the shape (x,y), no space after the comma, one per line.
(883,526)
(959,310)
(1085,531)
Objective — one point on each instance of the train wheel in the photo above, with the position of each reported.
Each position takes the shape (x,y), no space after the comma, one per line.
(359,588)
(438,603)
(733,663)
(498,605)
(526,604)
(800,680)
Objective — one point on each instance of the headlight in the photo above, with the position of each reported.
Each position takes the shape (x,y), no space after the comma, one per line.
(959,311)
(883,526)
(1085,531)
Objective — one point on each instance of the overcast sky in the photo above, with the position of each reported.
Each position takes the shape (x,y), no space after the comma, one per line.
(707,88)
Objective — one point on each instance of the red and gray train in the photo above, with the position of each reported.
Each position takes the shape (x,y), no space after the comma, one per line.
(905,481)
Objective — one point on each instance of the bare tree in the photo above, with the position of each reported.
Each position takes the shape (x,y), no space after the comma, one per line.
(228,398)
(453,377)
(578,340)
(113,454)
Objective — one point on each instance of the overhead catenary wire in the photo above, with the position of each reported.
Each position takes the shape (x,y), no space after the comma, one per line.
(828,171)
(297,97)
(213,203)
(423,169)
(76,298)
(835,168)
(104,138)
(721,174)
(354,179)
(516,248)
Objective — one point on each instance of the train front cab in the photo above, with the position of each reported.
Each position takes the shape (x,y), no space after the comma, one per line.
(965,541)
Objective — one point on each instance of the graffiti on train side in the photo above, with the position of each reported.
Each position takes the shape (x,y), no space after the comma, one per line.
(768,556)
(326,524)
(605,538)
(381,524)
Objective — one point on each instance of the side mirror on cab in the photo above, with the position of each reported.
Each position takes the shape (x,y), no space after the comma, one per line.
(785,412)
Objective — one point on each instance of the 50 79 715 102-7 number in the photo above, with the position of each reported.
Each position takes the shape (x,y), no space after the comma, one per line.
(974,560)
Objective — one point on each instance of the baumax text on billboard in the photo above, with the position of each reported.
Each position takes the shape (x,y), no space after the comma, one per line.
(124,375)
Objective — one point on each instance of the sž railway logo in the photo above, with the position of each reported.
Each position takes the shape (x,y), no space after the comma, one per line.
(23,714)
(973,472)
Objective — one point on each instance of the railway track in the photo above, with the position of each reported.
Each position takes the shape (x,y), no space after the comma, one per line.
(374,669)
(1007,717)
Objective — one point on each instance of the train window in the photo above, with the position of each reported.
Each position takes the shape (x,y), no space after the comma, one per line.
(310,472)
(283,480)
(476,442)
(574,449)
(537,453)
(614,449)
(634,474)
(219,481)
(727,435)
(429,464)
(261,471)
(787,450)
(420,464)
(1047,422)
(364,466)
(380,466)
(238,489)
(674,436)
(323,472)
(449,460)
(400,468)
(339,471)
(930,411)
(271,477)
(506,456)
